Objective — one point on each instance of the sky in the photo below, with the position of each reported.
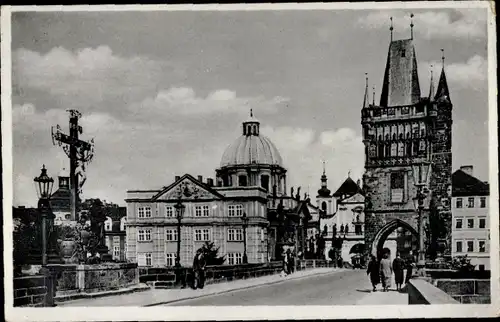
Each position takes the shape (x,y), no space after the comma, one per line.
(164,93)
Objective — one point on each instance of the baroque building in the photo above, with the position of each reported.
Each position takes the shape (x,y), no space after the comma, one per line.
(250,183)
(471,222)
(404,131)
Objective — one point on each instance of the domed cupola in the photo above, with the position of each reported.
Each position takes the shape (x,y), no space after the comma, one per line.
(252,160)
(251,148)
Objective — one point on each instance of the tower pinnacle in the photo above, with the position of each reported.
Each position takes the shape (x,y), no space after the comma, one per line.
(366,100)
(324,191)
(251,113)
(442,57)
(391,29)
(373,103)
(411,25)
(431,88)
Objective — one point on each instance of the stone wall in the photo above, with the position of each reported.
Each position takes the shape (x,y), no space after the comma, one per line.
(30,290)
(77,279)
(169,277)
(466,291)
(421,292)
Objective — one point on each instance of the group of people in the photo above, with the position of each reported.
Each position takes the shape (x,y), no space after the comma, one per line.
(381,271)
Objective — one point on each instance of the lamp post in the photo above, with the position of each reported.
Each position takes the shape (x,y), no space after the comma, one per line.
(244,219)
(179,212)
(44,185)
(420,175)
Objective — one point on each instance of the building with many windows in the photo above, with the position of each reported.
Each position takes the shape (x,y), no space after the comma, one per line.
(250,183)
(114,233)
(470,209)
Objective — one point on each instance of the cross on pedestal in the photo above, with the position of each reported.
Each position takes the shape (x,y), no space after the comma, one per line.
(79,153)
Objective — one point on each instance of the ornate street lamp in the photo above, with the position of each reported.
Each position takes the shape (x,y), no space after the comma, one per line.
(44,185)
(420,176)
(244,219)
(179,212)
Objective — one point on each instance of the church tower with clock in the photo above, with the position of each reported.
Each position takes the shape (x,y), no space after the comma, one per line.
(407,138)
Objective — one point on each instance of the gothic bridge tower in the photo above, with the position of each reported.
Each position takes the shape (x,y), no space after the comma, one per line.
(406,129)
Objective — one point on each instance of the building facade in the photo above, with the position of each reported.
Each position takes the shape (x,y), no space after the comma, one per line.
(250,182)
(471,221)
(115,234)
(403,132)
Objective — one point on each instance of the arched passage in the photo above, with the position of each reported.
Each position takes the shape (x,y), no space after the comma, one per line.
(384,232)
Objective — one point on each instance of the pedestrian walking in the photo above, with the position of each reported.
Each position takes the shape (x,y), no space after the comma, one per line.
(410,264)
(373,271)
(398,268)
(285,263)
(199,264)
(385,271)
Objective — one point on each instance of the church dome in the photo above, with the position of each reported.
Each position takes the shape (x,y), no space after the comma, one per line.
(251,148)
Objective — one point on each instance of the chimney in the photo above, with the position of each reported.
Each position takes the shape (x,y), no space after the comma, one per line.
(200,178)
(467,169)
(177,178)
(210,182)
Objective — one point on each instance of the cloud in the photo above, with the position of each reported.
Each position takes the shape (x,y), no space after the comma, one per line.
(88,78)
(184,101)
(469,23)
(303,150)
(470,74)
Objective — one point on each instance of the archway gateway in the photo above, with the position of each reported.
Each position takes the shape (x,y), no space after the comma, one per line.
(384,232)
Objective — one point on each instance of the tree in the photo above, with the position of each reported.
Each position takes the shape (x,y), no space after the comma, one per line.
(211,254)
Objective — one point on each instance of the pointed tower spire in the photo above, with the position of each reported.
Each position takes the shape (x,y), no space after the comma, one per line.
(431,88)
(366,101)
(442,89)
(391,29)
(411,25)
(324,191)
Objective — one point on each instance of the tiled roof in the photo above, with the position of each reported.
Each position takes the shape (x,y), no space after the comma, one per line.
(348,188)
(400,86)
(464,184)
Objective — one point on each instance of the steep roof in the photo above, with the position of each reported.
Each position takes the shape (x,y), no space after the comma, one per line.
(348,188)
(400,86)
(464,185)
(442,90)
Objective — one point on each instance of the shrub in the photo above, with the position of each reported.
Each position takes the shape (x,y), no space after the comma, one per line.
(462,264)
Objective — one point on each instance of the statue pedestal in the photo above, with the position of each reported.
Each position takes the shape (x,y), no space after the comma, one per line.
(104,254)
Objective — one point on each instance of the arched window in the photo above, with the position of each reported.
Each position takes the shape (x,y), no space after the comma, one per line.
(408,149)
(123,221)
(387,152)
(242,181)
(380,137)
(401,136)
(387,137)
(408,135)
(394,136)
(107,224)
(323,206)
(380,150)
(264,182)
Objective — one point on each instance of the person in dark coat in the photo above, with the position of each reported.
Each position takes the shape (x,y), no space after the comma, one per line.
(398,268)
(373,271)
(410,263)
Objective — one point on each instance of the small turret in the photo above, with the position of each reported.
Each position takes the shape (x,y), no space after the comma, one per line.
(324,191)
